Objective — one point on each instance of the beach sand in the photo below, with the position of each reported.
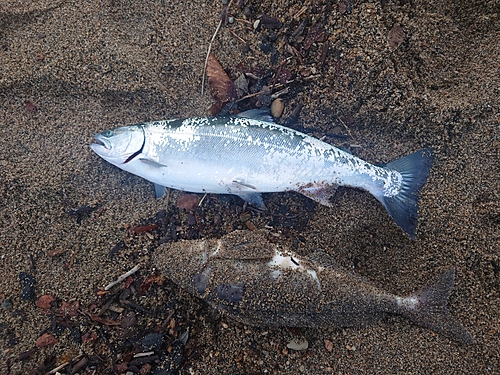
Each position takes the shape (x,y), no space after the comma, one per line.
(70,69)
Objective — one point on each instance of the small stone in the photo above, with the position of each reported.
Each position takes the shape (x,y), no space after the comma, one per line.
(298,344)
(328,345)
(146,369)
(7,304)
(230,20)
(152,341)
(256,24)
(277,108)
(247,12)
(250,225)
(245,216)
(396,36)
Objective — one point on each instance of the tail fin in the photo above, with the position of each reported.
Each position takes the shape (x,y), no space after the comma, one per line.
(428,308)
(403,207)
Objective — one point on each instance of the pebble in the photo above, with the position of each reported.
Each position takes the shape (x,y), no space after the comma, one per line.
(7,304)
(245,216)
(250,225)
(152,341)
(298,344)
(277,108)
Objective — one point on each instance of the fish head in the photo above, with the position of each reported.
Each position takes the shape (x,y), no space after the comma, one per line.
(120,145)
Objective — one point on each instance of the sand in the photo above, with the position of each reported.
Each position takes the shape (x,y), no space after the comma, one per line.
(71,69)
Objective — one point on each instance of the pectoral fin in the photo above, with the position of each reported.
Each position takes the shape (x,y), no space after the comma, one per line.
(242,185)
(160,191)
(153,163)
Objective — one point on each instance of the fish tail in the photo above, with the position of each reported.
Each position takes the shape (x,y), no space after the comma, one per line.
(428,308)
(403,207)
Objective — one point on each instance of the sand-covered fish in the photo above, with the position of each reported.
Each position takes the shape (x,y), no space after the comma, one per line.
(247,155)
(258,283)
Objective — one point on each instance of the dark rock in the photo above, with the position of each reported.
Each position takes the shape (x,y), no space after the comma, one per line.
(152,341)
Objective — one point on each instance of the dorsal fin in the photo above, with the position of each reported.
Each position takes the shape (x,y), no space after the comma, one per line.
(260,114)
(245,245)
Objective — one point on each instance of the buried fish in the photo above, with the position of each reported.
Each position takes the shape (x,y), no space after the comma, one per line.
(248,154)
(257,283)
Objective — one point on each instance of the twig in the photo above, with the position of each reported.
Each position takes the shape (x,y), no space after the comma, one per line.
(300,12)
(167,320)
(53,371)
(144,354)
(135,306)
(238,37)
(346,128)
(242,20)
(202,199)
(275,86)
(122,277)
(209,50)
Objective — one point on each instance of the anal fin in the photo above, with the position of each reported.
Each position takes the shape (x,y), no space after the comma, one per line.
(254,199)
(319,192)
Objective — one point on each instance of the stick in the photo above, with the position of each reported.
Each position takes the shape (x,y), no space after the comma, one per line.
(209,50)
(122,277)
(345,126)
(202,199)
(237,37)
(53,371)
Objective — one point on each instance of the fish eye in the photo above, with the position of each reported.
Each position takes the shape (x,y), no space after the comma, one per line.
(107,133)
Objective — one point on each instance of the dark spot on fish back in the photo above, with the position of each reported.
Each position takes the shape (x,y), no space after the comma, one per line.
(231,293)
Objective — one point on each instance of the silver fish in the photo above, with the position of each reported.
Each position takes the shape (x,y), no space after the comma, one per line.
(247,155)
(258,283)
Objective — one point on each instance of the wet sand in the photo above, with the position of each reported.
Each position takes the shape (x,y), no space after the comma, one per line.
(68,71)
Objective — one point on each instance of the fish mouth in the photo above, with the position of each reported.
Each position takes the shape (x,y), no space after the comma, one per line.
(100,141)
